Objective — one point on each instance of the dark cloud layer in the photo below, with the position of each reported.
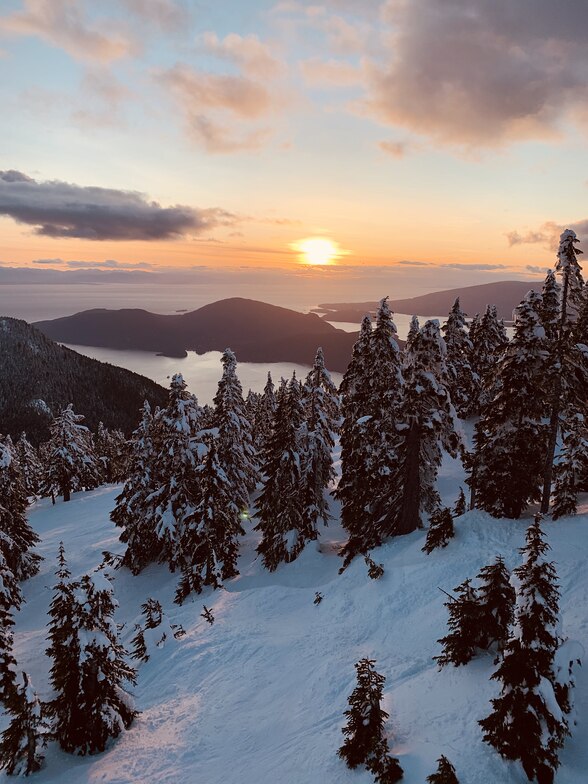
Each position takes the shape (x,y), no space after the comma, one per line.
(60,209)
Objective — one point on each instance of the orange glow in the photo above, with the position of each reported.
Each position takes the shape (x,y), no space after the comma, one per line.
(317,250)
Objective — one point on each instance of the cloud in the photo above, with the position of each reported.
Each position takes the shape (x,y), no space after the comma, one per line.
(457,265)
(395,149)
(60,209)
(536,269)
(530,238)
(165,14)
(248,51)
(61,23)
(410,263)
(476,73)
(330,73)
(106,264)
(547,234)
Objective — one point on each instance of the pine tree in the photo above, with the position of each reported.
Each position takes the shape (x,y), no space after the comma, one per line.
(440,530)
(10,600)
(265,415)
(154,632)
(460,506)
(235,436)
(22,740)
(282,524)
(317,437)
(571,472)
(526,722)
(30,465)
(445,773)
(496,598)
(428,425)
(110,447)
(365,740)
(17,538)
(510,438)
(210,541)
(488,337)
(549,310)
(70,462)
(459,351)
(465,624)
(130,511)
(173,493)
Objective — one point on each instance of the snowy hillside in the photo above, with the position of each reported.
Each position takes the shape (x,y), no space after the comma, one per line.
(258,697)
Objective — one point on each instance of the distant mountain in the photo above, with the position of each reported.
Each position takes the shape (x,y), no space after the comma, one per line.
(256,331)
(505,294)
(38,378)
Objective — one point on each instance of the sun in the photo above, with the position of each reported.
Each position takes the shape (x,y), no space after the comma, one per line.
(317,251)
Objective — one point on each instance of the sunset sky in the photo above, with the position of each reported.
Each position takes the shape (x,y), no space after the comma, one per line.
(445,140)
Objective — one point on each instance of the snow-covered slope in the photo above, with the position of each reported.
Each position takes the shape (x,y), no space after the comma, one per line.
(258,697)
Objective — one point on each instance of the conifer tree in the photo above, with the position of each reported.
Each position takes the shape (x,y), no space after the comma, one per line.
(265,417)
(445,773)
(428,425)
(440,530)
(365,740)
(526,722)
(130,512)
(173,492)
(549,310)
(571,472)
(465,625)
(459,351)
(153,613)
(510,438)
(110,447)
(30,465)
(460,506)
(210,541)
(17,538)
(70,461)
(283,526)
(10,599)
(496,598)
(317,437)
(488,337)
(22,741)
(235,436)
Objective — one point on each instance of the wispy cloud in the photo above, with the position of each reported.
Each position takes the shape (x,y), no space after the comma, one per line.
(252,55)
(60,209)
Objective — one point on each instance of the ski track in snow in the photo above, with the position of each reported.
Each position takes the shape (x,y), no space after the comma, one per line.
(258,697)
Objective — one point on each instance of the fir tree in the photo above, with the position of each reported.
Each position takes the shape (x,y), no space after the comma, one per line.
(154,632)
(110,448)
(460,506)
(549,310)
(130,511)
(445,773)
(70,461)
(488,337)
(365,740)
(17,538)
(235,437)
(510,438)
(10,600)
(265,415)
(459,351)
(465,625)
(22,741)
(571,472)
(30,465)
(526,722)
(440,530)
(283,526)
(210,542)
(496,599)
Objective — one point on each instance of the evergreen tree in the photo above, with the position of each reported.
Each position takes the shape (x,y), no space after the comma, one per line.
(30,465)
(70,462)
(110,448)
(17,538)
(571,472)
(459,351)
(365,740)
(496,598)
(130,511)
(460,506)
(526,722)
(510,438)
(465,624)
(549,310)
(440,530)
(22,740)
(235,436)
(445,773)
(317,438)
(283,526)
(173,493)
(488,337)
(153,613)
(428,425)
(210,543)
(265,416)
(10,599)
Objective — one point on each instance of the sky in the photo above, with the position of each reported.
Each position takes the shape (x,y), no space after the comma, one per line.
(440,144)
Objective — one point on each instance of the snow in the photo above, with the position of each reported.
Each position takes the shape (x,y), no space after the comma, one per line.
(258,697)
